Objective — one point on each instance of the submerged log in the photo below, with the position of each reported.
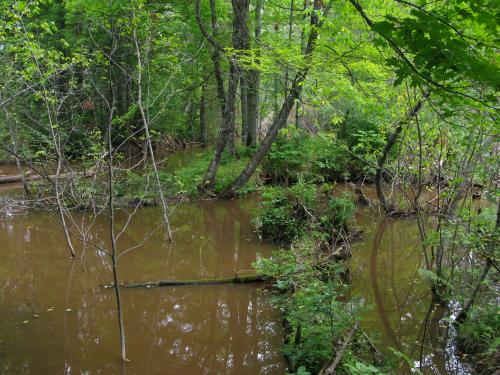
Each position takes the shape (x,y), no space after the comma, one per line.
(229,280)
(18,178)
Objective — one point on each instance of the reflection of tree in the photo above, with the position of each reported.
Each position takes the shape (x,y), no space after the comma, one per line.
(376,290)
(205,330)
(229,327)
(394,259)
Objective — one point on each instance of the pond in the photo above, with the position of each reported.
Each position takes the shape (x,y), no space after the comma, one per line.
(57,319)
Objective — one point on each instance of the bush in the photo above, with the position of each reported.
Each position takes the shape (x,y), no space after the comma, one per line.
(289,213)
(338,213)
(330,161)
(311,295)
(321,157)
(286,212)
(480,332)
(288,156)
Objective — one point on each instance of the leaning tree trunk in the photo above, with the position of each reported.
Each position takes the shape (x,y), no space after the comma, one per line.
(391,141)
(281,118)
(227,133)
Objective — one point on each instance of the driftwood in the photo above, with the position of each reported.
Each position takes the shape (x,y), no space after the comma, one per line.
(229,280)
(18,178)
(338,352)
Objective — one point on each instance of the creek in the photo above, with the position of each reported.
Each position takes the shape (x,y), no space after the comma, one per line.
(57,319)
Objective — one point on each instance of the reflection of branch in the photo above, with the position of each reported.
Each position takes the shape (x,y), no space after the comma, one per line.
(376,290)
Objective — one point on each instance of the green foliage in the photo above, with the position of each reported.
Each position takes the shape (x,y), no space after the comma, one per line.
(298,154)
(338,213)
(288,156)
(360,368)
(311,297)
(480,332)
(364,140)
(185,177)
(286,212)
(440,42)
(309,301)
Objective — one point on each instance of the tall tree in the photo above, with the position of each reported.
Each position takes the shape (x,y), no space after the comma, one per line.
(317,15)
(227,128)
(253,82)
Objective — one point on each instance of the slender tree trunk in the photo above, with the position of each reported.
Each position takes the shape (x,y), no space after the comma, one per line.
(114,253)
(254,82)
(244,78)
(59,201)
(227,128)
(303,45)
(203,116)
(145,122)
(244,72)
(282,116)
(391,141)
(290,29)
(216,59)
(227,132)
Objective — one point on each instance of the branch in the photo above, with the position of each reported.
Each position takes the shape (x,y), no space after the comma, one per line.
(204,31)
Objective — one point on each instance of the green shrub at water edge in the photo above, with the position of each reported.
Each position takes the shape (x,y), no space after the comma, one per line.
(480,332)
(311,298)
(286,212)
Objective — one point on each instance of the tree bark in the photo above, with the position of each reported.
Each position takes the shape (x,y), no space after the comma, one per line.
(244,106)
(281,118)
(227,128)
(254,82)
(203,116)
(244,73)
(227,132)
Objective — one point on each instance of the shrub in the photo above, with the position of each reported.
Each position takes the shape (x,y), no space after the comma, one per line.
(480,332)
(310,296)
(289,213)
(288,156)
(338,213)
(286,212)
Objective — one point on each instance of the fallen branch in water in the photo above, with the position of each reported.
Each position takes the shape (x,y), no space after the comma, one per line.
(18,178)
(338,352)
(230,280)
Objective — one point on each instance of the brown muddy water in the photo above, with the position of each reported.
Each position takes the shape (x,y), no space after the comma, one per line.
(56,319)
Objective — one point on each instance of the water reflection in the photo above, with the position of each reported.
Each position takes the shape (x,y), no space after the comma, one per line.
(56,318)
(385,266)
